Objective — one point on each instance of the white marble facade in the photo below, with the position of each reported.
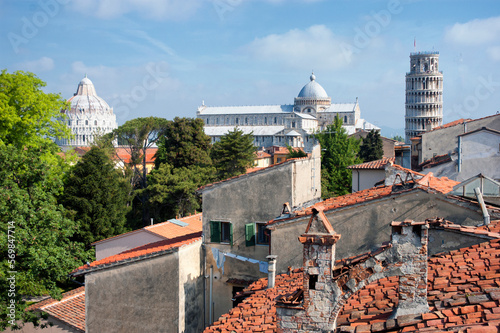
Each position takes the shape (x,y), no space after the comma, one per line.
(289,124)
(89,115)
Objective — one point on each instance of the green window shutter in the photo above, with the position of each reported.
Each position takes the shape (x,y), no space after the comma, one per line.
(215,231)
(231,232)
(250,234)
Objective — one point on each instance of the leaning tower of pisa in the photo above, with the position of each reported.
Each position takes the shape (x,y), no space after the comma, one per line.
(424,94)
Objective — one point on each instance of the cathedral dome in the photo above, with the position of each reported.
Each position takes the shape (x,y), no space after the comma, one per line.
(313,89)
(85,100)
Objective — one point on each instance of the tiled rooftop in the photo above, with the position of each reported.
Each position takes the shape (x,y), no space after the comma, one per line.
(70,309)
(427,182)
(435,161)
(168,229)
(140,252)
(374,165)
(463,296)
(124,154)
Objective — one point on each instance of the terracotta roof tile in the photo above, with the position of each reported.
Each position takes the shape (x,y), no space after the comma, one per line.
(141,251)
(70,309)
(168,229)
(435,161)
(124,154)
(374,165)
(463,295)
(442,185)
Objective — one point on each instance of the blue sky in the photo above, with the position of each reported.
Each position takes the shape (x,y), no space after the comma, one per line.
(164,57)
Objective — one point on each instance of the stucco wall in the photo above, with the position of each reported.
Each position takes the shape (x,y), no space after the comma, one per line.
(366,227)
(444,141)
(363,179)
(124,243)
(190,288)
(139,297)
(480,154)
(257,197)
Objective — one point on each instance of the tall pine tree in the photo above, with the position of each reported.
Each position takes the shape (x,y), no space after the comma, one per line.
(338,151)
(372,148)
(233,154)
(97,195)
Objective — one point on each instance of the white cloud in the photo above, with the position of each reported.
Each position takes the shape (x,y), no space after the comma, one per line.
(44,64)
(315,47)
(155,9)
(475,32)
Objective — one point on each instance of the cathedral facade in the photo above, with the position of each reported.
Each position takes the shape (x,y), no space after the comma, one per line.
(289,124)
(89,115)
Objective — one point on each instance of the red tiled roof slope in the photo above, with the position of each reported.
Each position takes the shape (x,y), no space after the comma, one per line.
(373,165)
(143,250)
(70,309)
(463,294)
(168,229)
(257,313)
(124,154)
(463,290)
(442,185)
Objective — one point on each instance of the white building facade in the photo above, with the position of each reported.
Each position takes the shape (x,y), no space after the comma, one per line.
(289,124)
(89,115)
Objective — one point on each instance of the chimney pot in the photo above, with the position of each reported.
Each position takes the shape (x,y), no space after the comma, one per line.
(271,270)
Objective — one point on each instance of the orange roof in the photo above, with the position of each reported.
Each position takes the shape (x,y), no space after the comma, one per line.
(463,291)
(442,185)
(168,229)
(139,252)
(124,154)
(70,309)
(262,154)
(453,123)
(374,165)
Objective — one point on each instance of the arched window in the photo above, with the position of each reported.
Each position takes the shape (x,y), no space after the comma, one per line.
(86,123)
(208,121)
(237,121)
(95,122)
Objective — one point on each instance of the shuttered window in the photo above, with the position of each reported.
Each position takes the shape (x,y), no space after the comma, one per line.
(250,234)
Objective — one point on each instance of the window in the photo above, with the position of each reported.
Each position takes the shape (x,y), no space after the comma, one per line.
(95,122)
(86,122)
(256,233)
(275,120)
(208,121)
(262,234)
(237,121)
(221,232)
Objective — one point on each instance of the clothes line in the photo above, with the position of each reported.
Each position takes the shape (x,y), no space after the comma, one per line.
(220,258)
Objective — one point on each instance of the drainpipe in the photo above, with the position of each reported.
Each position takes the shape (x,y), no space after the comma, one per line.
(271,271)
(210,307)
(459,162)
(479,196)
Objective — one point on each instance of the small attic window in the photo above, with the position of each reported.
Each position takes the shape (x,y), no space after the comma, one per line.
(417,229)
(397,230)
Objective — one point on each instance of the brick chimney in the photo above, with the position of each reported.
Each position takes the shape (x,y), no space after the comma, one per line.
(409,247)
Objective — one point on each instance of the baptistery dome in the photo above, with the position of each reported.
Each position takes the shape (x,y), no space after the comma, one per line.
(87,116)
(313,89)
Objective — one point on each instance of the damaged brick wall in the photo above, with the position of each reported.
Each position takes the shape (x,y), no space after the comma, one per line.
(327,287)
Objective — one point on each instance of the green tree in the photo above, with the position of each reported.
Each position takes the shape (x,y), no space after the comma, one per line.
(338,151)
(295,152)
(233,154)
(136,136)
(35,235)
(372,148)
(28,116)
(97,196)
(184,144)
(398,138)
(172,191)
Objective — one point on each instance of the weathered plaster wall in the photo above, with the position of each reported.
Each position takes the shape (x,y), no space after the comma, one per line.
(140,297)
(257,197)
(365,227)
(363,179)
(191,288)
(124,243)
(480,154)
(444,141)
